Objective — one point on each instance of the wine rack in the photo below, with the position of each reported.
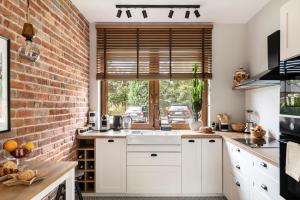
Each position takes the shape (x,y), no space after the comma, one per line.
(86,163)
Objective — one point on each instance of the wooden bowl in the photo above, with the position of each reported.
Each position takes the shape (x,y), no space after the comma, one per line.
(238,127)
(258,134)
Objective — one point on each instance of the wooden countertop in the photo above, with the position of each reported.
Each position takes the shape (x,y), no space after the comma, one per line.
(270,155)
(51,170)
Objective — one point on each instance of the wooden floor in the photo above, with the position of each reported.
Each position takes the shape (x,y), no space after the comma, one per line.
(154,198)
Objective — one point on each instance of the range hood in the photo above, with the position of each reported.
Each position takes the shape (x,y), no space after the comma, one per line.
(271,76)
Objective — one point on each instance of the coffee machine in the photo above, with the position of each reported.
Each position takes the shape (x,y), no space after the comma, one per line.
(105,125)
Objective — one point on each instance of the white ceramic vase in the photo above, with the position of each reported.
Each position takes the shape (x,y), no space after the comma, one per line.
(195,125)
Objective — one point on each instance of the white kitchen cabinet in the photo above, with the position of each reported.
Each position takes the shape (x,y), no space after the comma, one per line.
(191,166)
(111,165)
(241,189)
(212,166)
(290,29)
(153,179)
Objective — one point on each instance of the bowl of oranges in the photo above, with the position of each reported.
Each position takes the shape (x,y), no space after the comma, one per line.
(18,151)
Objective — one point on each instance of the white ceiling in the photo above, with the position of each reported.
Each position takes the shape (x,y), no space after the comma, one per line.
(219,11)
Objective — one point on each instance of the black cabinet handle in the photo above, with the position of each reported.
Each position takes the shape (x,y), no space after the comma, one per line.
(191,141)
(238,167)
(238,150)
(212,141)
(111,141)
(153,155)
(264,187)
(238,184)
(263,164)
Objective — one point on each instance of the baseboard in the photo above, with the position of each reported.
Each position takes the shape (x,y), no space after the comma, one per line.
(150,195)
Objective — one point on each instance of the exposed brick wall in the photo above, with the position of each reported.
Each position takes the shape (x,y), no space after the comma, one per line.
(49,99)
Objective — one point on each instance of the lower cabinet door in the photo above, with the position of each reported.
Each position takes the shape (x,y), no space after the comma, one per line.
(111,165)
(191,166)
(212,165)
(154,179)
(228,182)
(256,194)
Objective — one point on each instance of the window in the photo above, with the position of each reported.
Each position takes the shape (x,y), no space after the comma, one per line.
(174,101)
(140,100)
(129,98)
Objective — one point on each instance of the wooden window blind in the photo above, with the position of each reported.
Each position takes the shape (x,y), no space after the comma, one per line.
(157,52)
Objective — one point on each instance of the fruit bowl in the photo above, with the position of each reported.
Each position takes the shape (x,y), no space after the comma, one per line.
(18,152)
(238,127)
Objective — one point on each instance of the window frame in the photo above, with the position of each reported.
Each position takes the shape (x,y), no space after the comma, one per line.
(153,105)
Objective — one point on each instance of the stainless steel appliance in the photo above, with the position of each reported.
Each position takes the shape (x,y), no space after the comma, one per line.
(105,125)
(117,123)
(289,122)
(259,143)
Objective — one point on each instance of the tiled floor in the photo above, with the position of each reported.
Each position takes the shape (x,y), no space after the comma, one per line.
(154,198)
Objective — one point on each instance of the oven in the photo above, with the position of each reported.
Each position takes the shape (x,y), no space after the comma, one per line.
(289,122)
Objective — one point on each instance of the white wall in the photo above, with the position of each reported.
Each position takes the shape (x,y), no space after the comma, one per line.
(94,93)
(229,52)
(265,102)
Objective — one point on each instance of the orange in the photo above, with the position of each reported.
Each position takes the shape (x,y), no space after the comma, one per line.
(10,145)
(29,146)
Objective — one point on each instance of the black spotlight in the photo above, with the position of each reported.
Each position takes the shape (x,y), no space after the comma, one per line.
(187,14)
(144,14)
(171,14)
(128,13)
(119,13)
(197,14)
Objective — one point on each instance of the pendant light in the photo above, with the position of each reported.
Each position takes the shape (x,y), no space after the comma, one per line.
(29,51)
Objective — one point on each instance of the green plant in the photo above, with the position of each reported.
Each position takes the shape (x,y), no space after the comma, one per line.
(197,92)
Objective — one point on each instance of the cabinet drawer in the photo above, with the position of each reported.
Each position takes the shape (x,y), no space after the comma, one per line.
(241,188)
(266,168)
(240,167)
(266,185)
(154,179)
(153,159)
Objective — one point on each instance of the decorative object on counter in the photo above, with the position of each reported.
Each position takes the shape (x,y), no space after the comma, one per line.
(238,127)
(29,51)
(224,122)
(12,147)
(240,75)
(127,121)
(249,123)
(25,177)
(83,130)
(206,130)
(4,84)
(258,132)
(7,168)
(197,92)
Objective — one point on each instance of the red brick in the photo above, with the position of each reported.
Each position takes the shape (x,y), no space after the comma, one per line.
(49,98)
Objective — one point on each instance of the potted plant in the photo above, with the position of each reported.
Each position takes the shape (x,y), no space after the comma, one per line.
(196,92)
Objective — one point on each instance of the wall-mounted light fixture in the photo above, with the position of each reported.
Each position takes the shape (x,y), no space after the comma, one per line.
(29,51)
(171,7)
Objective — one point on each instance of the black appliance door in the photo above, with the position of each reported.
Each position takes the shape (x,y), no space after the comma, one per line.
(289,187)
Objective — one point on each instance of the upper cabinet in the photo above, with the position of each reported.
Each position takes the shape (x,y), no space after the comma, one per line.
(290,29)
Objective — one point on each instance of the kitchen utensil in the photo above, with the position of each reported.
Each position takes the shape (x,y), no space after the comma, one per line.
(127,121)
(117,122)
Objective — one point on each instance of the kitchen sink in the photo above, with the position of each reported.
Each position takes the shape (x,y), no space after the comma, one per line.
(153,137)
